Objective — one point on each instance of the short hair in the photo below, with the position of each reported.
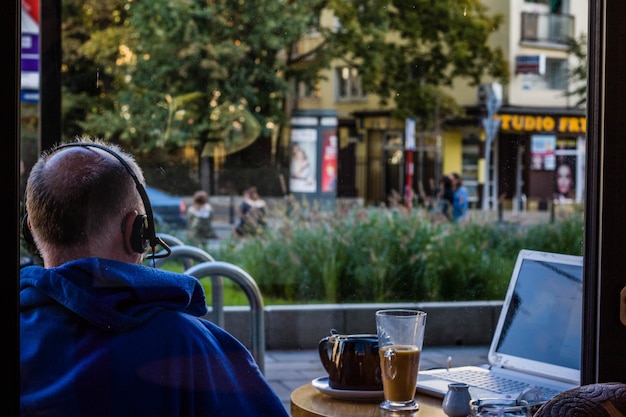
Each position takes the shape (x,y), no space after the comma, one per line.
(200,197)
(68,206)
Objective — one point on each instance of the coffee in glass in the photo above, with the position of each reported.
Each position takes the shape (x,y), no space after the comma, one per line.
(400,338)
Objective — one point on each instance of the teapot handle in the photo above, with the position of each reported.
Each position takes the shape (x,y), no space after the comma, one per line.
(324,354)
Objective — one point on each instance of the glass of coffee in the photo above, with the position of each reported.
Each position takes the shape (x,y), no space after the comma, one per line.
(400,338)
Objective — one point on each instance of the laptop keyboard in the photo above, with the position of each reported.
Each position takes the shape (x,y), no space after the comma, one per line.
(497,384)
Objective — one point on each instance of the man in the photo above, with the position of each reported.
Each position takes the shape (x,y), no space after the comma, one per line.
(103,335)
(460,204)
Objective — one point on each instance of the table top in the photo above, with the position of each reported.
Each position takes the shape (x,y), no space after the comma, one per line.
(306,401)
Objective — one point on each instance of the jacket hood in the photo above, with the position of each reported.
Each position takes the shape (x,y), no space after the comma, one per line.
(112,295)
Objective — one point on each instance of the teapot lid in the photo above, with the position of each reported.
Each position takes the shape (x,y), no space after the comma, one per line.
(356,336)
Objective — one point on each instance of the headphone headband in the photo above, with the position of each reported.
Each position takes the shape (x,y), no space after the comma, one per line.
(150,235)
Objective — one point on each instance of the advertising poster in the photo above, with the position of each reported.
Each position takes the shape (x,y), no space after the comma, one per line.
(567,171)
(565,178)
(542,152)
(329,162)
(302,177)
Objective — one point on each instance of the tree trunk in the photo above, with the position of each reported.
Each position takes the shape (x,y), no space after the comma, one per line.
(205,174)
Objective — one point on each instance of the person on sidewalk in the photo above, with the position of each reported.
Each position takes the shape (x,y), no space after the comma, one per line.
(100,333)
(442,200)
(252,219)
(199,219)
(460,204)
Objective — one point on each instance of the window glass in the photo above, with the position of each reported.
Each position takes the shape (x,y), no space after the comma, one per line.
(348,84)
(557,74)
(208,97)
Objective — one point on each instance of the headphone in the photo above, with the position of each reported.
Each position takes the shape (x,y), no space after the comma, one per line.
(143,234)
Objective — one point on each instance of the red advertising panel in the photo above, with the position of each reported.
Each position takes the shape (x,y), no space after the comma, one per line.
(329,162)
(32,8)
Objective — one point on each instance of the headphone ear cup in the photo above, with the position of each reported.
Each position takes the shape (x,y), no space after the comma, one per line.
(28,236)
(138,241)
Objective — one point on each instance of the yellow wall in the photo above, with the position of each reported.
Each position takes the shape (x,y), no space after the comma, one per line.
(452,151)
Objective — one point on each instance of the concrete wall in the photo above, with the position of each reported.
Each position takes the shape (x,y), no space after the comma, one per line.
(302,326)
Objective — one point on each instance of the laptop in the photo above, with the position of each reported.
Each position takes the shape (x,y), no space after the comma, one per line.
(536,347)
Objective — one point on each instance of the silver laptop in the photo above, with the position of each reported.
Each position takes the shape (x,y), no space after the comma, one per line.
(536,347)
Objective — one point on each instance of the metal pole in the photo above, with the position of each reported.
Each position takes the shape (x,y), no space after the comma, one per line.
(486,183)
(491,127)
(231,210)
(408,189)
(50,74)
(409,145)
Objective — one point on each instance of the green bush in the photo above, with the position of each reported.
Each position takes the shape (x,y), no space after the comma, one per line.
(379,255)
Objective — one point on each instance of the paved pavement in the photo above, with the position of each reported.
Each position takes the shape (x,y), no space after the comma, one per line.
(288,370)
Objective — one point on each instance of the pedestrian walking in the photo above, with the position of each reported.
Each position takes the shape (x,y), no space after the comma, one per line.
(460,204)
(199,219)
(252,216)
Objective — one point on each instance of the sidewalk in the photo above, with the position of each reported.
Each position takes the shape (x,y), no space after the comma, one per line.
(288,370)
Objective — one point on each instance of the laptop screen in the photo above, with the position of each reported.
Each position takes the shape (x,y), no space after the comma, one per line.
(544,312)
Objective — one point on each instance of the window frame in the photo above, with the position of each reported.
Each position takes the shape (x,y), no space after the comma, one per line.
(352,85)
(603,334)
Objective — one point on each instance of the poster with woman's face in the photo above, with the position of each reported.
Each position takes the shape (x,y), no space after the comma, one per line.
(302,175)
(565,177)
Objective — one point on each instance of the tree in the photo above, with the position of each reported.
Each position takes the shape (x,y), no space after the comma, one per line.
(405,50)
(159,71)
(578,74)
(167,68)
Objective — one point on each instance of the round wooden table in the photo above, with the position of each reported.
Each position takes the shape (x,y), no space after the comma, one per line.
(306,401)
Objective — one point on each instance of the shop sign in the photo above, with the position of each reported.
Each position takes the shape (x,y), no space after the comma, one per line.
(537,123)
(530,64)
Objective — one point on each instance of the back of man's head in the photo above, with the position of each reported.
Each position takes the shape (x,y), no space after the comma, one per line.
(77,197)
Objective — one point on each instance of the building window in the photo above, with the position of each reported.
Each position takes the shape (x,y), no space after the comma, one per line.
(550,28)
(348,84)
(557,74)
(305,91)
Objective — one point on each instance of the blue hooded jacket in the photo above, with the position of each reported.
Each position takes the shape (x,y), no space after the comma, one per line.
(106,338)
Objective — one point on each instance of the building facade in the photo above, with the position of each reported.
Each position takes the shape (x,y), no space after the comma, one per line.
(537,154)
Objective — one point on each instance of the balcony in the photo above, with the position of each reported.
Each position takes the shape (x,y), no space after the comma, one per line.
(547,29)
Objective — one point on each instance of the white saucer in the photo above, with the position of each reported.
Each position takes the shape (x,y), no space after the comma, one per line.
(321,384)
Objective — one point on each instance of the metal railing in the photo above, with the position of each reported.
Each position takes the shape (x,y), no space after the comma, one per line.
(250,288)
(217,271)
(547,27)
(184,253)
(187,254)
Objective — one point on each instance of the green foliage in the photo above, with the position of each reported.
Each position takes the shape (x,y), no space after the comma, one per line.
(160,68)
(151,74)
(577,47)
(405,50)
(465,264)
(373,255)
(566,236)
